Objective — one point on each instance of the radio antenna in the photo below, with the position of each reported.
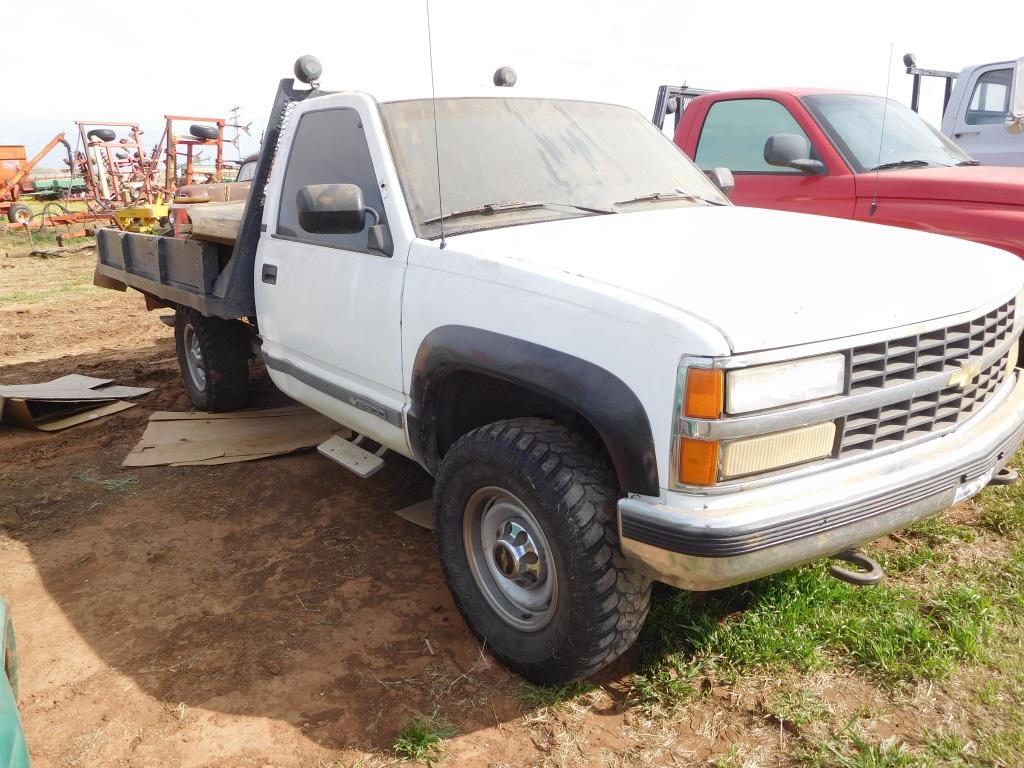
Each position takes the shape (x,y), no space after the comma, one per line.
(881,136)
(433,105)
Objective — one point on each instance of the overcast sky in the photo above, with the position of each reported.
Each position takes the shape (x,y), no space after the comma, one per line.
(76,62)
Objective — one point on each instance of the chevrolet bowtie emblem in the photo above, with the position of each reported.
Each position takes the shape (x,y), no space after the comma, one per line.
(967,373)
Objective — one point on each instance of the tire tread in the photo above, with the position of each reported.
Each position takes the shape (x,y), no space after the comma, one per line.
(561,463)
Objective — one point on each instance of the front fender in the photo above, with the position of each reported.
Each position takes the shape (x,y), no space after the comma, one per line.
(596,394)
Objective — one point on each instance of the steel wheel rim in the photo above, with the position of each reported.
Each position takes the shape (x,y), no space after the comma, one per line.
(22,216)
(509,558)
(194,358)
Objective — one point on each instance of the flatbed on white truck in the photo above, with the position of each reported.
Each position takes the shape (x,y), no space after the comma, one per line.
(614,375)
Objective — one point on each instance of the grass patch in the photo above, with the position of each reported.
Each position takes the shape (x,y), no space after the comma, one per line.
(78,285)
(917,554)
(938,530)
(1001,507)
(806,619)
(422,740)
(947,748)
(731,759)
(119,484)
(1003,582)
(851,750)
(1002,747)
(540,697)
(796,708)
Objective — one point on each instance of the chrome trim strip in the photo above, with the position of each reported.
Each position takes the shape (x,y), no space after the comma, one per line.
(330,389)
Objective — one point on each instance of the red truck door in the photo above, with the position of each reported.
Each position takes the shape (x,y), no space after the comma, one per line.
(729,131)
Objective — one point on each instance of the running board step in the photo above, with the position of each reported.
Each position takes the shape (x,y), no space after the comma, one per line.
(353,458)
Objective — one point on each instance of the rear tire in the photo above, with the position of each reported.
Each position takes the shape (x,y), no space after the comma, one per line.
(525,523)
(213,354)
(19,213)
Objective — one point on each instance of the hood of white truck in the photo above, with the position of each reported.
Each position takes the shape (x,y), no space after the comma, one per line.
(764,279)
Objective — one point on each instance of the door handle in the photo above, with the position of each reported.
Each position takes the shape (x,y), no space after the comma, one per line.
(958,134)
(269,274)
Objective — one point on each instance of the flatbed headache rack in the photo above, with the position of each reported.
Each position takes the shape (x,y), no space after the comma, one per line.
(195,273)
(672,100)
(910,62)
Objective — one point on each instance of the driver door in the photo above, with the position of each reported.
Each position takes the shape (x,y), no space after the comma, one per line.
(330,304)
(733,136)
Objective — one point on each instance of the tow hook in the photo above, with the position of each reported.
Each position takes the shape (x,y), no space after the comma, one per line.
(1005,476)
(868,571)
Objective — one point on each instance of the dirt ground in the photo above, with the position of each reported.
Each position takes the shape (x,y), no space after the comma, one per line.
(265,613)
(277,612)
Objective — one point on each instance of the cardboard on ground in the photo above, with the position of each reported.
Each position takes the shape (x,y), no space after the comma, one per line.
(63,402)
(190,439)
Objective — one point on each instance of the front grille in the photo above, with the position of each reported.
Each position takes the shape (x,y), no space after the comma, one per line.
(907,420)
(888,363)
(874,367)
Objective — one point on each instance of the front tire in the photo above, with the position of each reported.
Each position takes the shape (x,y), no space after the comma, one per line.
(213,355)
(525,523)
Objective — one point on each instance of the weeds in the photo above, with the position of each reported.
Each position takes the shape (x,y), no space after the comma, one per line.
(421,740)
(796,708)
(539,696)
(851,750)
(119,484)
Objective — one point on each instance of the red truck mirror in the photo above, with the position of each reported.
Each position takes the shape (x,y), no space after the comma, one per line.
(788,150)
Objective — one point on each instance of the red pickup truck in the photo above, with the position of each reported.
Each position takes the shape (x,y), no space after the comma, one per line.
(823,152)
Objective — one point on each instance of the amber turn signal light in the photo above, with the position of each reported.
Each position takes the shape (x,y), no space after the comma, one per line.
(704,393)
(698,461)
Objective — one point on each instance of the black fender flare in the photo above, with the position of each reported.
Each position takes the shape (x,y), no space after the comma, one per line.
(598,395)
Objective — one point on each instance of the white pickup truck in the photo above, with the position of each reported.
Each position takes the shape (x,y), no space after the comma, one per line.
(613,374)
(982,110)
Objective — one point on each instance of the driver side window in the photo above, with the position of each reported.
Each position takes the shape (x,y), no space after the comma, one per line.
(990,101)
(329,147)
(735,131)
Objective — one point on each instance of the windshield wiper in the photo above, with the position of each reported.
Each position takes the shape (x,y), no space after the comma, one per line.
(969,162)
(492,208)
(902,164)
(656,196)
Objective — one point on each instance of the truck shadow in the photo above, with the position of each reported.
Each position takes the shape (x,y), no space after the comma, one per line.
(284,588)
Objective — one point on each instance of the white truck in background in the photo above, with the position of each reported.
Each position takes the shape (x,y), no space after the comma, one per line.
(614,375)
(983,108)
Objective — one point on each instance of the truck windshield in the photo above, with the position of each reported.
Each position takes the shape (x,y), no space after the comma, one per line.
(513,161)
(854,124)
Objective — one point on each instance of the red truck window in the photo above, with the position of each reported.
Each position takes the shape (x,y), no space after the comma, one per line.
(735,131)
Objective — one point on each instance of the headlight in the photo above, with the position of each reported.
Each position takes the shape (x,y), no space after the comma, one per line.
(710,394)
(771,386)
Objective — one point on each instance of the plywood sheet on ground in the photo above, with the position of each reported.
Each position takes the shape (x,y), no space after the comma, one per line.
(189,439)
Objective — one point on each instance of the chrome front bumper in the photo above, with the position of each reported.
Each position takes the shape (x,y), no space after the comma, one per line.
(714,541)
